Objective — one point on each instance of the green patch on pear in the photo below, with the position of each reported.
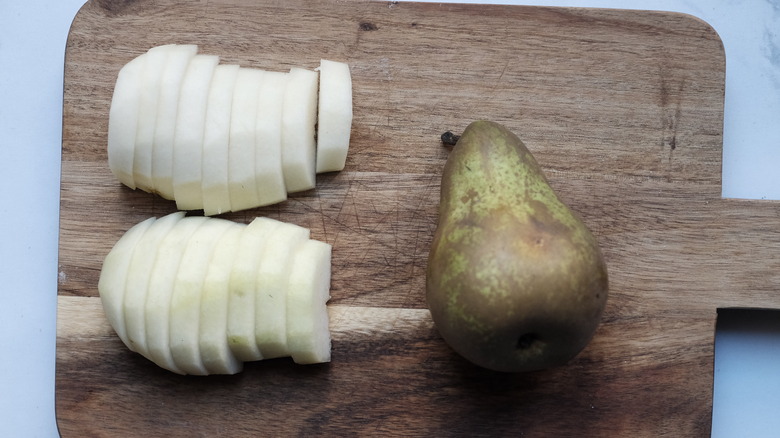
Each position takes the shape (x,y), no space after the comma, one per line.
(515,280)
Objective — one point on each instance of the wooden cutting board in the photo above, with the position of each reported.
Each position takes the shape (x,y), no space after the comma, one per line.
(623,109)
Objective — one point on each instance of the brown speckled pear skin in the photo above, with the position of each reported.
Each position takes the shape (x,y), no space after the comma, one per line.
(515,280)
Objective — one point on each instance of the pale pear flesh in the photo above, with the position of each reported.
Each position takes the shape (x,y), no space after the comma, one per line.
(197,293)
(307,321)
(179,57)
(334,117)
(137,285)
(223,138)
(159,308)
(242,184)
(215,352)
(188,139)
(216,141)
(241,302)
(269,177)
(113,276)
(272,285)
(299,117)
(123,120)
(156,58)
(186,298)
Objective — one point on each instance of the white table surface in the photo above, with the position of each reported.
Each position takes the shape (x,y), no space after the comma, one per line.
(32,43)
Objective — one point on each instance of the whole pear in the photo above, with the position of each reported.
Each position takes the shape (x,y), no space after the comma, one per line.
(515,280)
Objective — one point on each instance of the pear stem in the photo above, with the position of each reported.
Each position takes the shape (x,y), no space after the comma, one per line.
(449,138)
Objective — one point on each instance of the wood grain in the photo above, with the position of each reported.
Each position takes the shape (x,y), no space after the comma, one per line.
(623,109)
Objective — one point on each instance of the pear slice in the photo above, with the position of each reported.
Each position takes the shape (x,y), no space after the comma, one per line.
(156,58)
(241,301)
(212,333)
(161,289)
(334,119)
(123,120)
(299,117)
(268,155)
(188,137)
(241,158)
(216,138)
(199,295)
(185,302)
(167,108)
(308,335)
(272,283)
(113,276)
(137,286)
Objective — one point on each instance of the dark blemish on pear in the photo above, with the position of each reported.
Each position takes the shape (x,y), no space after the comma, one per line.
(367,27)
(525,341)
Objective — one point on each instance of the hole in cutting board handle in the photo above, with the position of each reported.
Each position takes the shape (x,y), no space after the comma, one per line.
(746,388)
